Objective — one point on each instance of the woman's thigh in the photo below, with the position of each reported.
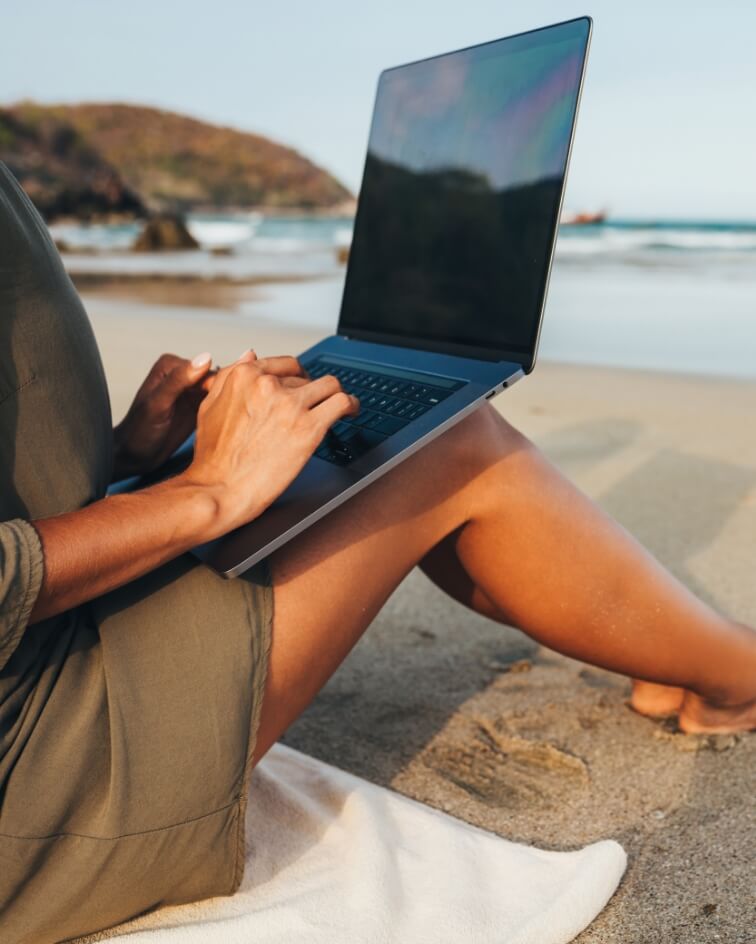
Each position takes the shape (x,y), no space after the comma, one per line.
(331,582)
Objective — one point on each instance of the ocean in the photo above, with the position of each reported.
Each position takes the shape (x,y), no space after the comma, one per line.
(670,295)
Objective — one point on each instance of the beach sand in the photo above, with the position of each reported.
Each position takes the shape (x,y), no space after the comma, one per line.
(479,721)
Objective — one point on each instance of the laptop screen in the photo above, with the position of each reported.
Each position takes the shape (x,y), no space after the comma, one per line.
(460,195)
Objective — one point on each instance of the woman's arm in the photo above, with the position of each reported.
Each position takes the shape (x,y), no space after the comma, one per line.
(118,539)
(254,435)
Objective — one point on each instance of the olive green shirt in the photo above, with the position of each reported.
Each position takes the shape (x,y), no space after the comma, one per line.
(21,570)
(126,724)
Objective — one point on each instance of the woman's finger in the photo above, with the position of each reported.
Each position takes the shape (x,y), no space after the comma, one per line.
(181,377)
(284,366)
(334,408)
(158,372)
(208,380)
(318,390)
(220,378)
(294,381)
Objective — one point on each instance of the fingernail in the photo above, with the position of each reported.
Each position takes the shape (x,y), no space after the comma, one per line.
(201,359)
(246,354)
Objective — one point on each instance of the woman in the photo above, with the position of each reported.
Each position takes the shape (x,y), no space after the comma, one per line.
(137,688)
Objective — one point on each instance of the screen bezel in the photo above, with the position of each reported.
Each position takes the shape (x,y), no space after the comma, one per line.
(526,357)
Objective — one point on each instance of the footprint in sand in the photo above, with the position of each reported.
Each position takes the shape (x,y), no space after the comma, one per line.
(504,769)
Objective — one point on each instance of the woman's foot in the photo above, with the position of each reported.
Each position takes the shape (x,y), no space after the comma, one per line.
(656,701)
(698,716)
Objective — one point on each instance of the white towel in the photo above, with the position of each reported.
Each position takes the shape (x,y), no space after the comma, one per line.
(333,859)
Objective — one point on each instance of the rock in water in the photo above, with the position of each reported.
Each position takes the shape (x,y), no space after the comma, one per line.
(166,231)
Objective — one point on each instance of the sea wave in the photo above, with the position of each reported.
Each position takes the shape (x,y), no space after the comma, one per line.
(284,245)
(242,233)
(223,234)
(255,244)
(619,239)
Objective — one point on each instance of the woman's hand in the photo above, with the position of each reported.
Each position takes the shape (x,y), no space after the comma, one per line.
(164,411)
(255,432)
(162,416)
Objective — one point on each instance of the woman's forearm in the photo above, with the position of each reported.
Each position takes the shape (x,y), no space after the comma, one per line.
(107,544)
(254,435)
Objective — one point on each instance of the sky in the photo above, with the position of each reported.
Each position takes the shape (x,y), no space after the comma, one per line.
(667,127)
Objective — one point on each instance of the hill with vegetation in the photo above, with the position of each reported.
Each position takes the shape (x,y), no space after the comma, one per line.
(61,172)
(166,161)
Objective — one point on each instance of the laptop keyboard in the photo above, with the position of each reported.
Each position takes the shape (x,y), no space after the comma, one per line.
(389,398)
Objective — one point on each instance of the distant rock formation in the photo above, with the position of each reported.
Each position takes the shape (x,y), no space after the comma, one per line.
(61,172)
(178,164)
(165,231)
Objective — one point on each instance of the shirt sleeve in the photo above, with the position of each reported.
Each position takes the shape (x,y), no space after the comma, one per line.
(21,571)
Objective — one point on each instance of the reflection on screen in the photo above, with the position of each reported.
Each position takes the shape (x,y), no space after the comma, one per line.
(461,188)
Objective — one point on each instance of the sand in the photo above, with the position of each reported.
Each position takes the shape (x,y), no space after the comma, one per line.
(483,723)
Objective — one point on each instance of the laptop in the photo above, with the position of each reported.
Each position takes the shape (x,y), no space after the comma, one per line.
(448,270)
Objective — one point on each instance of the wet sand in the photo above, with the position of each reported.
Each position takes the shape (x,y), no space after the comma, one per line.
(180,291)
(477,720)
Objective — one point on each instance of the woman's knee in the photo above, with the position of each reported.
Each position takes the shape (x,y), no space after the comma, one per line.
(482,439)
(443,472)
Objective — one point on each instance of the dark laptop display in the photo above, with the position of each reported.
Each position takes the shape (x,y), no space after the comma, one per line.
(462,186)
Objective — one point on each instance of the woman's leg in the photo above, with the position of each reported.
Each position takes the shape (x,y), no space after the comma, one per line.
(535,550)
(443,567)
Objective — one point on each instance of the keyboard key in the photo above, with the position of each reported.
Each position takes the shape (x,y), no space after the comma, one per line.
(389,425)
(363,418)
(373,422)
(343,451)
(367,439)
(435,396)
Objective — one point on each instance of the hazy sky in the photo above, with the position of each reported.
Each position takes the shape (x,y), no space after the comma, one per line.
(667,127)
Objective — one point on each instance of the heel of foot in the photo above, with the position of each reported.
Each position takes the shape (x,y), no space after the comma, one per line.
(698,716)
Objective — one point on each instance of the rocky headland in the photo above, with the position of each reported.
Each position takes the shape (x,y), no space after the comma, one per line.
(99,161)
